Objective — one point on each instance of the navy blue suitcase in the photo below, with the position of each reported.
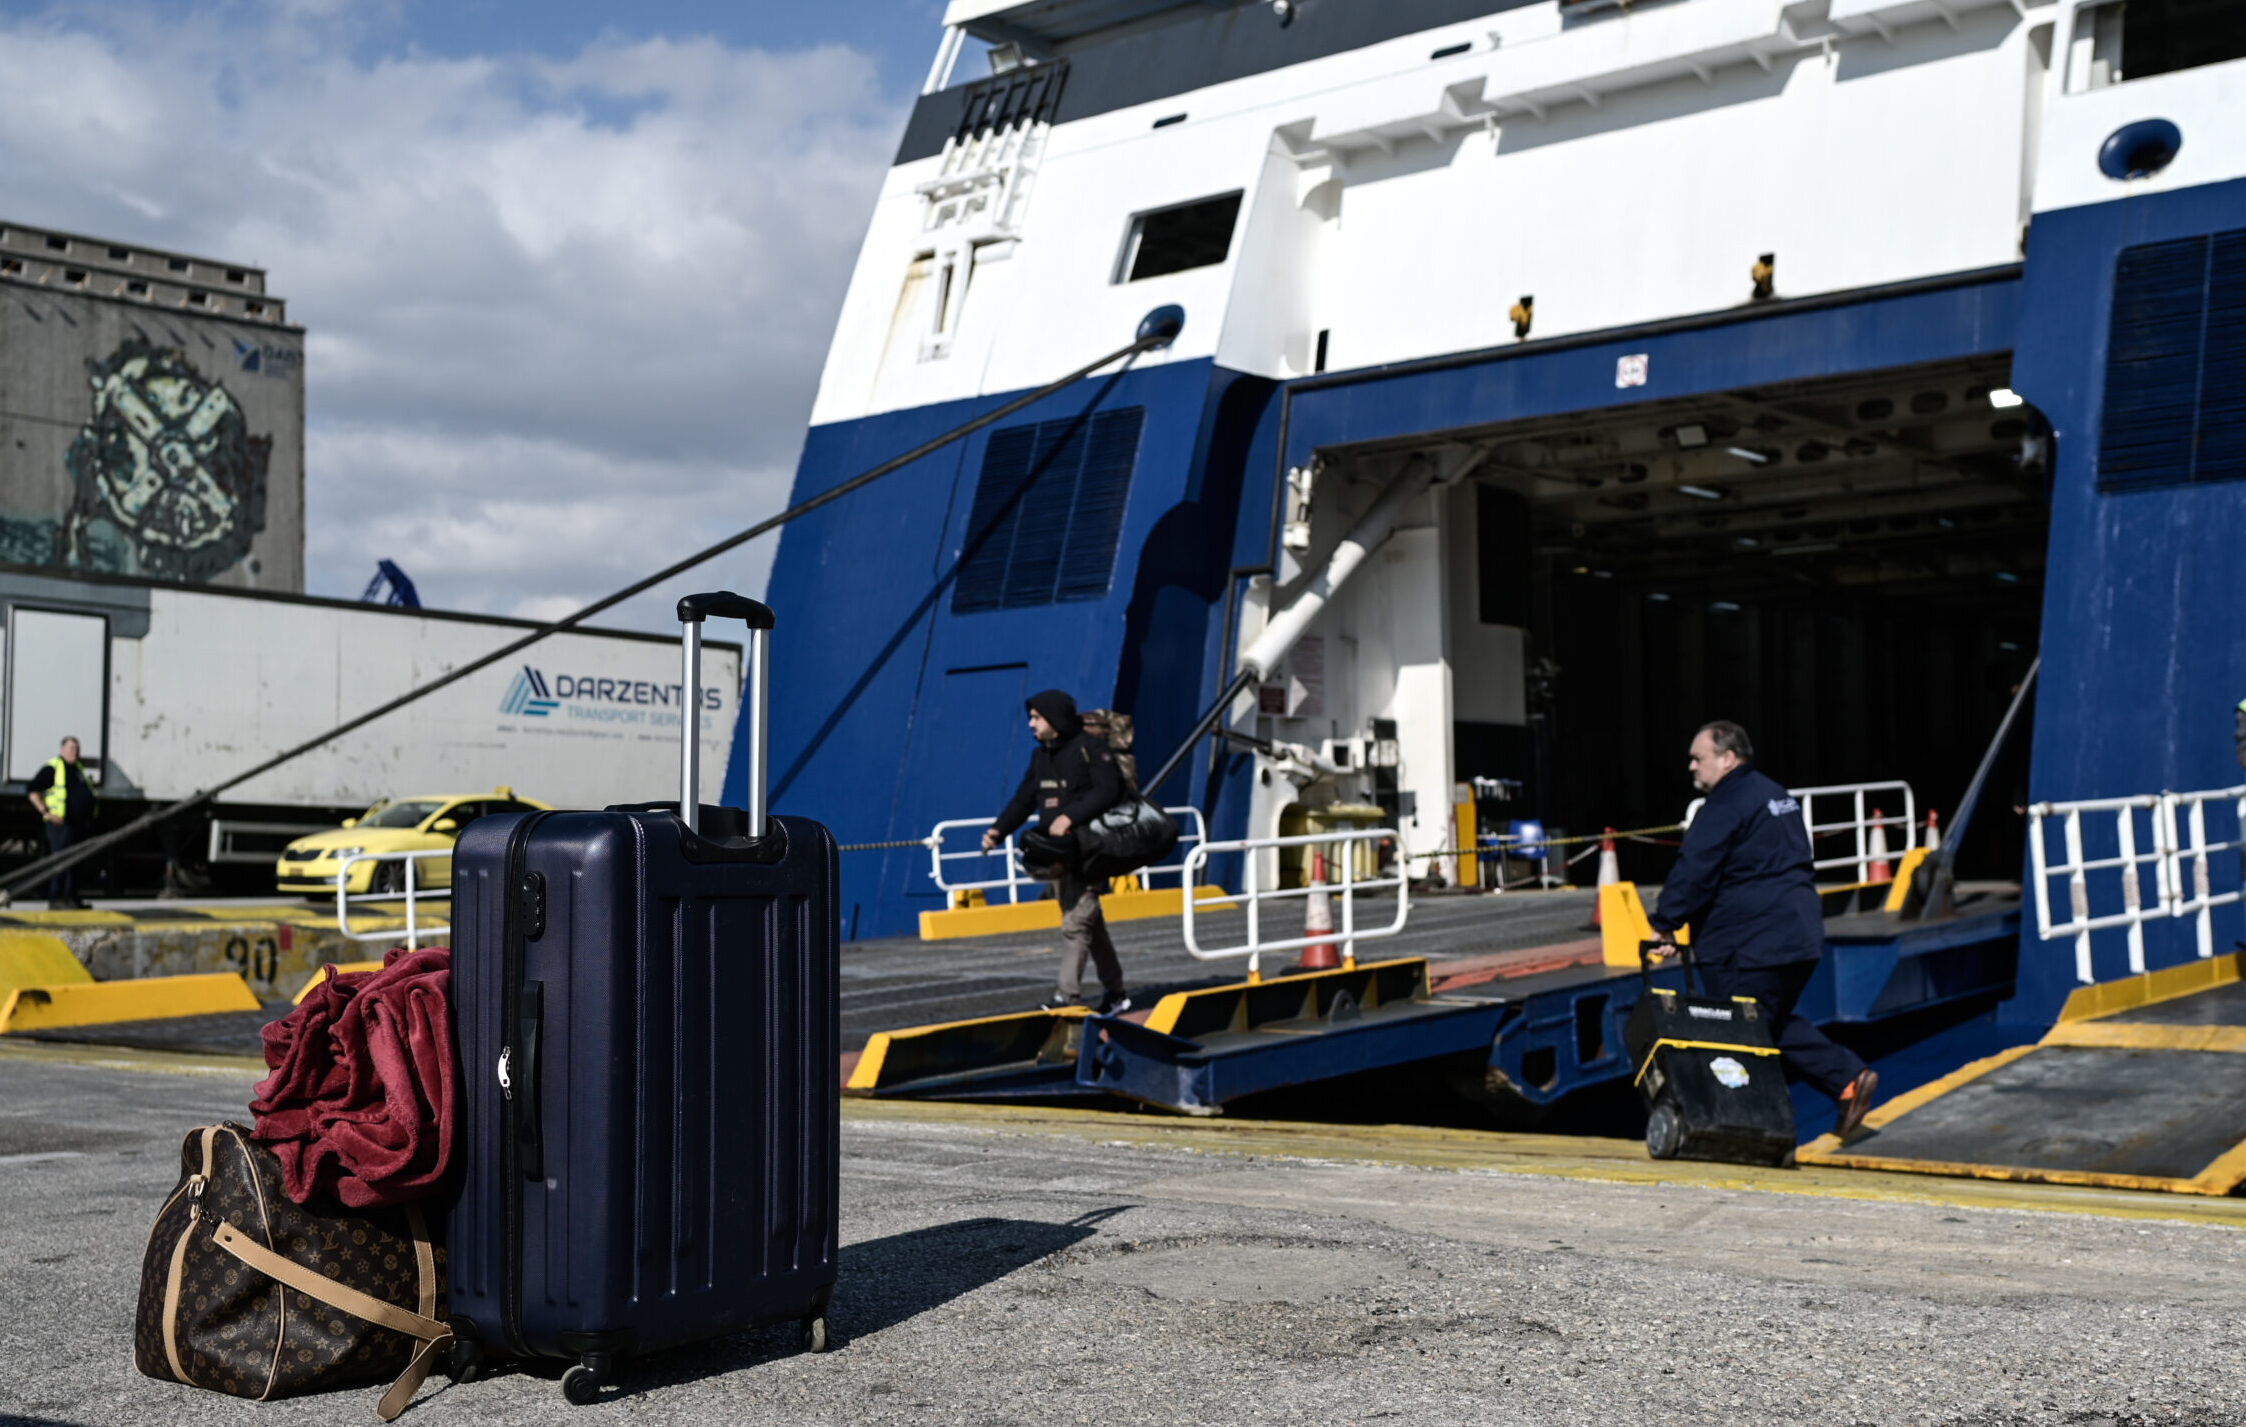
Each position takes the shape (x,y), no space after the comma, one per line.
(646,1007)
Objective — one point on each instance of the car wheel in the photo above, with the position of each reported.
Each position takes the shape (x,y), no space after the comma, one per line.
(389,879)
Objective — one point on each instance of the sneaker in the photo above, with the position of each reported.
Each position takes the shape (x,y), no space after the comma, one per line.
(1855,1103)
(1059,1002)
(1115,1003)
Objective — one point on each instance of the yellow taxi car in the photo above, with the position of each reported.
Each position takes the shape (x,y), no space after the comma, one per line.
(427,823)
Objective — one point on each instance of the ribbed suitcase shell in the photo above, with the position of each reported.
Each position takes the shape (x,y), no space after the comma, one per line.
(686,1088)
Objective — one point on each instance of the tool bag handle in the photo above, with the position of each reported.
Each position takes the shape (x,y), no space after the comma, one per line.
(692,611)
(1685,963)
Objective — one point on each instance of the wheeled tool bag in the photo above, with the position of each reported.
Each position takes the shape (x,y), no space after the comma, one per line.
(244,1292)
(1709,1074)
(647,1005)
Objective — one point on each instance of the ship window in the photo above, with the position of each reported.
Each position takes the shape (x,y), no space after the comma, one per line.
(1048,512)
(2137,39)
(1171,240)
(2175,399)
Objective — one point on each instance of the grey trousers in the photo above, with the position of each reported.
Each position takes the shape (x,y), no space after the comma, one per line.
(1084,934)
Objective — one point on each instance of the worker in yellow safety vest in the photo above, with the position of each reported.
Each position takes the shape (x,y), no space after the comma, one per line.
(66,804)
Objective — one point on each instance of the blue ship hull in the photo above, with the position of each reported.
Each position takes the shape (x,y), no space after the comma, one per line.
(894,710)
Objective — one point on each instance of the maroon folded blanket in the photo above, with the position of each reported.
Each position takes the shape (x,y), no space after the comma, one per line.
(360,1102)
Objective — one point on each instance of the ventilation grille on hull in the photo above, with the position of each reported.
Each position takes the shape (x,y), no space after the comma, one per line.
(1048,510)
(2175,402)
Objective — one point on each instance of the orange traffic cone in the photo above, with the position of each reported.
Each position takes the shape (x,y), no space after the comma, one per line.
(1933,832)
(1610,872)
(1318,919)
(1879,871)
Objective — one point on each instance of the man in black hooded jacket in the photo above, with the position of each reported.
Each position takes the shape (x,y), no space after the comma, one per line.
(1072,779)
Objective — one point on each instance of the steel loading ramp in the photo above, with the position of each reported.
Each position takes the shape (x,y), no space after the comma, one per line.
(2141,1085)
(1199,1049)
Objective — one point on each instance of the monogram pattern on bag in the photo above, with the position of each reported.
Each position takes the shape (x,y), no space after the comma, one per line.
(239,1332)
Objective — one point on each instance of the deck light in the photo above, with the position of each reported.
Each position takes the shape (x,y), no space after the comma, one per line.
(1689,435)
(1657,597)
(2004,397)
(1701,492)
(1750,455)
(1724,607)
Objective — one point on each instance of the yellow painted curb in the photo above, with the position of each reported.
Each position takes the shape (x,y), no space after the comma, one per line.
(37,959)
(88,918)
(339,967)
(999,918)
(94,1003)
(2168,983)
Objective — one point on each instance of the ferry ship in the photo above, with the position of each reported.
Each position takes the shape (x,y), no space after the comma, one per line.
(1816,365)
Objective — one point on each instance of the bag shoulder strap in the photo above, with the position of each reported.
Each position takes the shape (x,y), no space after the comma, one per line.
(431,1334)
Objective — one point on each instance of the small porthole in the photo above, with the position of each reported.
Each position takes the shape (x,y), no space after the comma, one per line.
(1168,119)
(1448,50)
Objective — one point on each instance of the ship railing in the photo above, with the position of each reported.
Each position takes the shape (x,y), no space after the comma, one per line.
(228,836)
(953,868)
(1255,898)
(2160,836)
(1865,807)
(410,890)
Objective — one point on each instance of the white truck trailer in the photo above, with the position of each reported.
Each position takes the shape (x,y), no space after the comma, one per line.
(172,689)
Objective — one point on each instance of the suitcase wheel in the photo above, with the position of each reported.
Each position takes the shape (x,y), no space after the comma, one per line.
(815,1339)
(1664,1131)
(582,1383)
(466,1362)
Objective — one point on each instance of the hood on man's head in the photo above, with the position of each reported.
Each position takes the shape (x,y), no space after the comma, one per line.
(1059,711)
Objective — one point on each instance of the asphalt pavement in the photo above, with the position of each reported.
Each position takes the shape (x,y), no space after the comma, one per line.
(1008,1266)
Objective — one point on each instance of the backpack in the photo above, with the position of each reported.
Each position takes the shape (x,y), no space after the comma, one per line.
(1114,729)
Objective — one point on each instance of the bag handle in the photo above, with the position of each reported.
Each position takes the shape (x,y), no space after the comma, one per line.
(692,610)
(433,1336)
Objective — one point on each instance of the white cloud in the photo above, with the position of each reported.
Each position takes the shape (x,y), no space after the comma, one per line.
(564,318)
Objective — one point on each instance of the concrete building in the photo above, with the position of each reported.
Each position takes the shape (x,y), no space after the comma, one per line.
(151,414)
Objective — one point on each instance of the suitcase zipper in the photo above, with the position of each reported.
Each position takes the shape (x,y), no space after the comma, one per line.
(512,954)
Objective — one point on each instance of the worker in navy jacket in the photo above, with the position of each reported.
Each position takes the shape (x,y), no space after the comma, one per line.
(1744,884)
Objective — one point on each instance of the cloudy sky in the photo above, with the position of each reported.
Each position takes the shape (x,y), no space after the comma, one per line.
(568,270)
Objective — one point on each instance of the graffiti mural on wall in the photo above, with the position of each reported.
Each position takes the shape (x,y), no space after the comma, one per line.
(168,479)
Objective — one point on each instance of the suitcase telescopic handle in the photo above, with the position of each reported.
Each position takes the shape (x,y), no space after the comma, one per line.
(692,611)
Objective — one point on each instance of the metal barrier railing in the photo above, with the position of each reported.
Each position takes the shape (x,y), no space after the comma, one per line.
(226,834)
(1193,830)
(2174,825)
(1346,933)
(1858,824)
(407,890)
(2194,896)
